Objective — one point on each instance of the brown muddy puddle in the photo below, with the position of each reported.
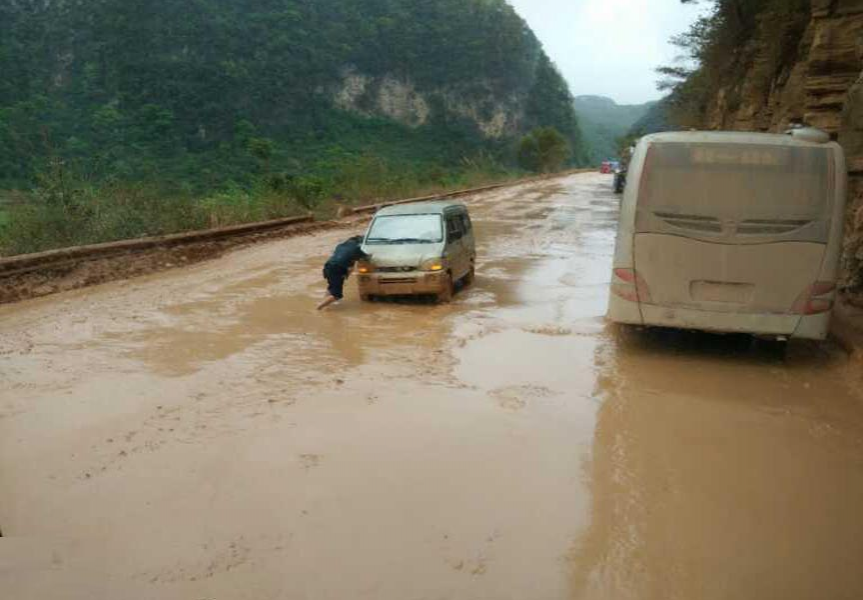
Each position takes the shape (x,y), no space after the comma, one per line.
(206,434)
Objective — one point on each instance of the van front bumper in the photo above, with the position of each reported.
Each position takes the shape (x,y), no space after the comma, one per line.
(407,283)
(812,327)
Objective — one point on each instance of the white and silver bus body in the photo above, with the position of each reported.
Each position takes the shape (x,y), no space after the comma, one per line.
(731,232)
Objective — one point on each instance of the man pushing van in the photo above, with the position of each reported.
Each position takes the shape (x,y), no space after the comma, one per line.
(338,267)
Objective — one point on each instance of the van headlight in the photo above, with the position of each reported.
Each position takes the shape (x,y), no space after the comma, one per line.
(365,267)
(434,265)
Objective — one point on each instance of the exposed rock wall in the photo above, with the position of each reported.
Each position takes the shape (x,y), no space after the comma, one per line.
(387,97)
(811,85)
(398,99)
(821,85)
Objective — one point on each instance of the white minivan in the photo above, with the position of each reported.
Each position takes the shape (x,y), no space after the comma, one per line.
(418,248)
(731,232)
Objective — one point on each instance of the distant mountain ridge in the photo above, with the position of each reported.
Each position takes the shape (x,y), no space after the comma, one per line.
(603,121)
(654,120)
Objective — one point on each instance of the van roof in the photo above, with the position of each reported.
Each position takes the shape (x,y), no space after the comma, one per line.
(729,137)
(420,208)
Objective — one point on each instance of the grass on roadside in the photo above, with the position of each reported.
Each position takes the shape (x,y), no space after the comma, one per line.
(97,214)
(64,210)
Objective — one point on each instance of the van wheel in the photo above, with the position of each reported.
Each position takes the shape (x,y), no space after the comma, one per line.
(446,293)
(471,275)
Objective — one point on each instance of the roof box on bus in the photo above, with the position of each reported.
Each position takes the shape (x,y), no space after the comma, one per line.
(809,134)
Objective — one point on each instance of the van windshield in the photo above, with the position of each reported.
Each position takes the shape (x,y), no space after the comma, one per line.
(738,181)
(406,229)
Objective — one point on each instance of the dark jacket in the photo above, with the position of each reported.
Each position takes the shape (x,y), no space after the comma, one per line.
(347,253)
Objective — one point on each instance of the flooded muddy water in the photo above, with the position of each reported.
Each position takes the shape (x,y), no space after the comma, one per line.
(204,433)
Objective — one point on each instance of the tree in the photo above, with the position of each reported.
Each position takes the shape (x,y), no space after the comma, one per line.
(543,150)
(718,49)
(262,149)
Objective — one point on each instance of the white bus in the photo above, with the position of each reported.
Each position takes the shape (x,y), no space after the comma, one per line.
(731,232)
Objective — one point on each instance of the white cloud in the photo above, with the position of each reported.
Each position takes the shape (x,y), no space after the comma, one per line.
(609,47)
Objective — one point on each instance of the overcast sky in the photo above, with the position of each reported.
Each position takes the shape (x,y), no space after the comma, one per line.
(609,47)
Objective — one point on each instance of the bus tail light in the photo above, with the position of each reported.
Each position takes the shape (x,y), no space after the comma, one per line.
(630,285)
(814,300)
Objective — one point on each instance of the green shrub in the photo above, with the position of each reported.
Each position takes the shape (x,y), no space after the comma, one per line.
(722,47)
(544,150)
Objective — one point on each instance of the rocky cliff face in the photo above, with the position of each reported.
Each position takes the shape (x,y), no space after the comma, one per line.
(811,85)
(822,85)
(399,99)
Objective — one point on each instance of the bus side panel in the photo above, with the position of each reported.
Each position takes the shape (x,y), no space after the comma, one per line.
(624,311)
(623,258)
(830,269)
(619,309)
(817,327)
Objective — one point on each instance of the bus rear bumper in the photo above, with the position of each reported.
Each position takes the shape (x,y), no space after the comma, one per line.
(623,311)
(812,327)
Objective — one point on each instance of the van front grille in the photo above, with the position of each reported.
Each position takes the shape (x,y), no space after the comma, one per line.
(396,269)
(398,281)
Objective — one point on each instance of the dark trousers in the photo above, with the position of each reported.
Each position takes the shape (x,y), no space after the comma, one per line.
(335,276)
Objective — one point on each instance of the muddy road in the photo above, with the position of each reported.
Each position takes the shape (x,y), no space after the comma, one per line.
(204,434)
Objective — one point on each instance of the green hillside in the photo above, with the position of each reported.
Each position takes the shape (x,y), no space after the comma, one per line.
(654,120)
(177,89)
(603,121)
(197,112)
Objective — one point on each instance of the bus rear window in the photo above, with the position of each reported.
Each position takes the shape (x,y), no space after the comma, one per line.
(738,181)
